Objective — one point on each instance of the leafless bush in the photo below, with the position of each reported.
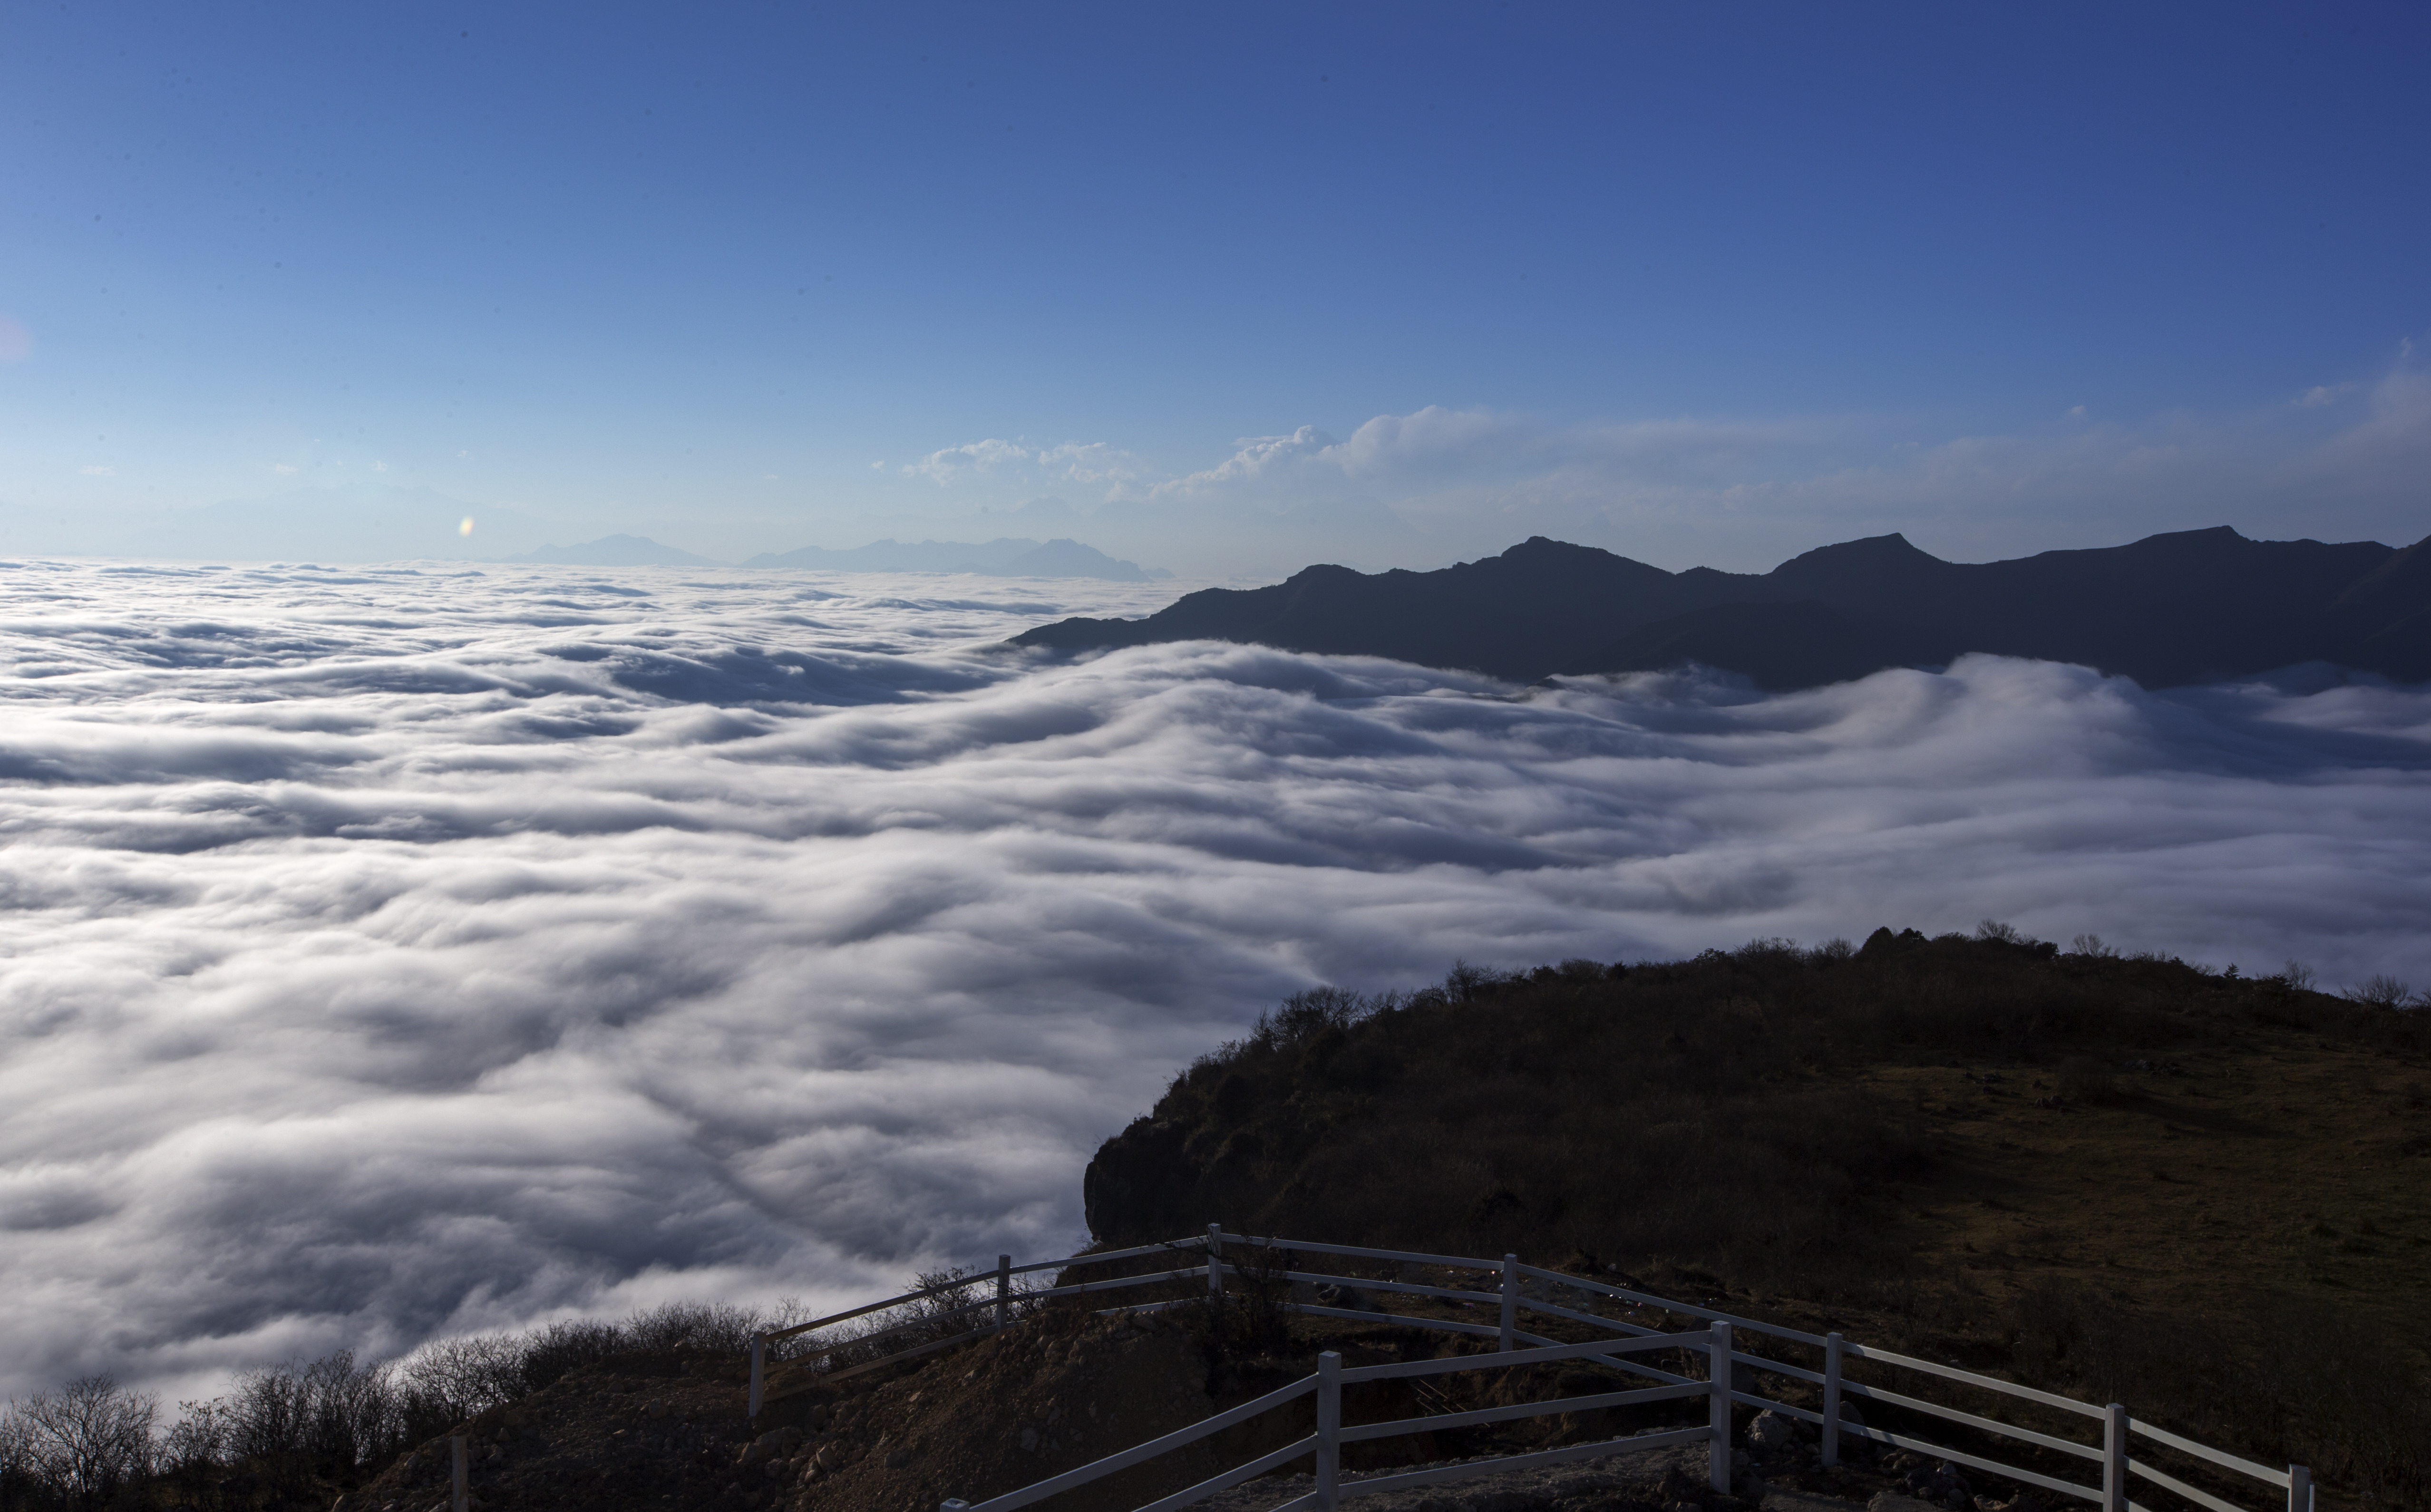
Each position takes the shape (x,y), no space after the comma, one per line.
(1993,928)
(457,1378)
(1304,1015)
(331,1413)
(716,1326)
(463,1376)
(21,1483)
(84,1443)
(2092,947)
(1768,951)
(2380,991)
(1465,983)
(925,1320)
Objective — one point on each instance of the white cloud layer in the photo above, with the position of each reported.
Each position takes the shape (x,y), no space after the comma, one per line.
(392,953)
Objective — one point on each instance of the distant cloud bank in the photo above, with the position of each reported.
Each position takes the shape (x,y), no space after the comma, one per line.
(2337,460)
(2344,462)
(390,952)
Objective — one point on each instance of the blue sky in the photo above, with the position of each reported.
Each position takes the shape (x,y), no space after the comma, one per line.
(1232,288)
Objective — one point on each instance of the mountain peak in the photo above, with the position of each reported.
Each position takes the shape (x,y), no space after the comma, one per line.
(2190,607)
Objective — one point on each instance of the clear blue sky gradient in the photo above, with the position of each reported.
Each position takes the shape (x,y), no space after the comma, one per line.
(699,267)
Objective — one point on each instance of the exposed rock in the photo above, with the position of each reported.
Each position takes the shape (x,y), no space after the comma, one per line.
(1772,1432)
(1939,1483)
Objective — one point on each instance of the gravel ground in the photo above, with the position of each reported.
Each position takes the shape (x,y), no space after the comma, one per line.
(1652,1481)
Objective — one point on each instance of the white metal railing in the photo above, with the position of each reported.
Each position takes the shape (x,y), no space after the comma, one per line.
(1711,1335)
(1325,1443)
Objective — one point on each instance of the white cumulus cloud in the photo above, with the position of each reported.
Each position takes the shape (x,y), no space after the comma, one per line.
(1075,462)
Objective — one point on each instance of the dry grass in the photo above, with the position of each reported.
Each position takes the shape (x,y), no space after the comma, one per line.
(2222,1221)
(2282,1161)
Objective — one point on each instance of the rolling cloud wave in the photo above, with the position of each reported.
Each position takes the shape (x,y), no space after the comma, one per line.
(386,955)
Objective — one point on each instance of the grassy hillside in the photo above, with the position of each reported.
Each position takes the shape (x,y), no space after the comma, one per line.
(2200,1194)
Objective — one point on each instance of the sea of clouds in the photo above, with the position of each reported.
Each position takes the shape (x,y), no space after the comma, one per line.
(387,953)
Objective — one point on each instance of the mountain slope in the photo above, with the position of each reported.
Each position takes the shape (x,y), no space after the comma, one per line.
(1066,558)
(2184,607)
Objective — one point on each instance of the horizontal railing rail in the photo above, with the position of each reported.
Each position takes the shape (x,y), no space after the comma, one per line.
(981,1279)
(1325,1445)
(1643,1300)
(1138,1453)
(1513,1288)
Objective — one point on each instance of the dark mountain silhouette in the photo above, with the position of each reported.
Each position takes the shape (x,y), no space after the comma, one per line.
(2187,607)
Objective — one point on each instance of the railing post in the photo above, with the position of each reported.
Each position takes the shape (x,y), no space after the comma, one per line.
(1717,1465)
(1328,1431)
(2114,1458)
(1830,1398)
(2300,1488)
(462,1496)
(1510,1302)
(1215,1263)
(759,1362)
(1003,1291)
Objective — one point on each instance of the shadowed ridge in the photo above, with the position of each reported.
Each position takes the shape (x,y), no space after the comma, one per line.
(2385,616)
(1871,565)
(2183,607)
(1513,615)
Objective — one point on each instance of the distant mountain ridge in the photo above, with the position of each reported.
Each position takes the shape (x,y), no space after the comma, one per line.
(2191,606)
(616,551)
(1005,557)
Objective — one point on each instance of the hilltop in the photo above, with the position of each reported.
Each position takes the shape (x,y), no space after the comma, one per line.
(2130,1179)
(2188,607)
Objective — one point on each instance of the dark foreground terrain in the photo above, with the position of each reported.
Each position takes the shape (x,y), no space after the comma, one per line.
(2206,1196)
(644,1432)
(2193,606)
(2200,1194)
